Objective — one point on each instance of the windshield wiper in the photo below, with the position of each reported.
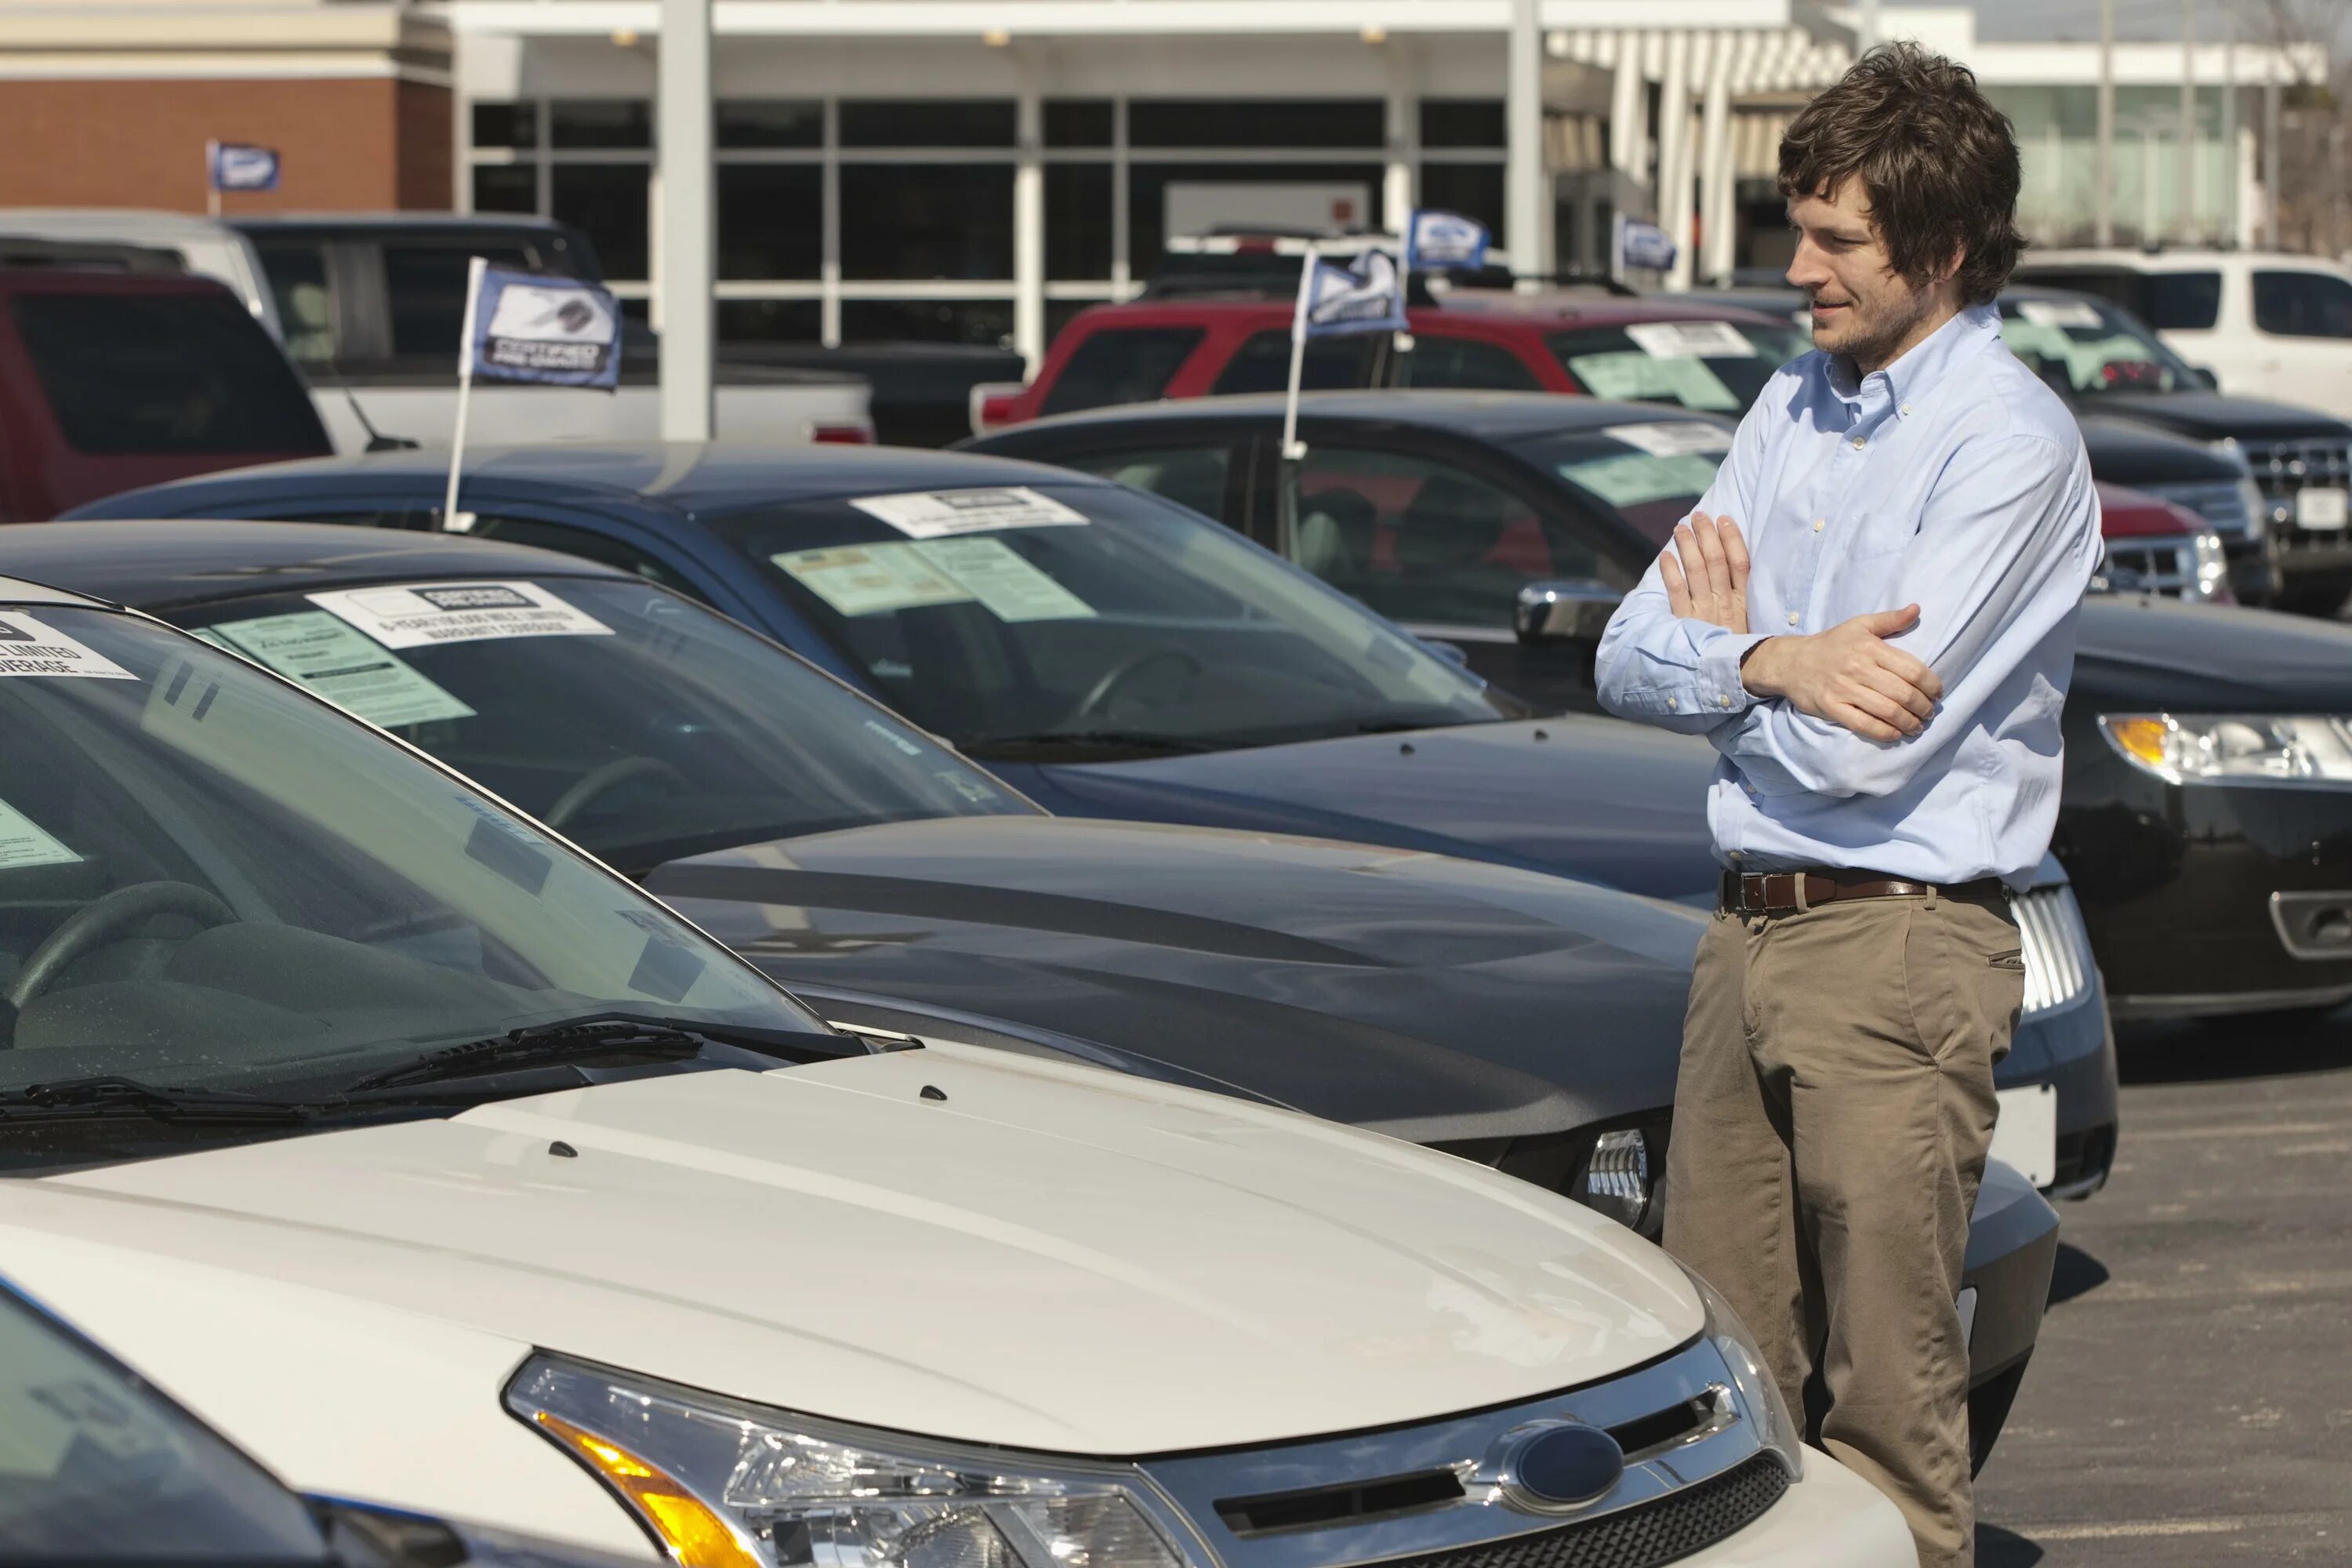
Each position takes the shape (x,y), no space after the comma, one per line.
(111,1095)
(560,1043)
(1121,739)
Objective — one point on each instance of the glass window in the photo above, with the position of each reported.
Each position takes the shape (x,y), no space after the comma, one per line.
(306,305)
(1461,123)
(606,202)
(601,122)
(1473,190)
(1191,475)
(1668,362)
(1424,540)
(506,188)
(512,125)
(425,287)
(927,122)
(580,542)
(1077,220)
(1438,361)
(769,123)
(1120,364)
(1649,491)
(927,220)
(1107,622)
(770,321)
(2084,346)
(987,322)
(1349,189)
(1330,364)
(770,220)
(162,374)
(1256,123)
(2303,305)
(1080,121)
(2184,301)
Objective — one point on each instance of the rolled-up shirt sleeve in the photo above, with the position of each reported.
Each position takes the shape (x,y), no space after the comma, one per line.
(1670,670)
(2001,560)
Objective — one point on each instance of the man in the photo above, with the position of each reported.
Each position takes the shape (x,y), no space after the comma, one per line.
(1872,617)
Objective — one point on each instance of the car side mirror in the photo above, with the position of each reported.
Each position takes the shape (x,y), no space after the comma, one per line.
(2205,377)
(1565,609)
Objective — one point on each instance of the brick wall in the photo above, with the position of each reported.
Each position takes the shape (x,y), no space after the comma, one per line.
(347,144)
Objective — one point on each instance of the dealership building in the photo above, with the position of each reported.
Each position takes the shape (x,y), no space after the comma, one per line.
(978,170)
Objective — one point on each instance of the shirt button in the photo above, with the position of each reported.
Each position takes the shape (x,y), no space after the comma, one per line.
(1819,523)
(1857,443)
(1792,617)
(1906,411)
(1672,705)
(1723,702)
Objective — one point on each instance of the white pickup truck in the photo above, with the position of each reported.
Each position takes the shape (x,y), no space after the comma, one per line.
(370,306)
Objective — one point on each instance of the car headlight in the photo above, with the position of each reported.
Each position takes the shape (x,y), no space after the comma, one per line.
(722,1484)
(2212,566)
(2249,748)
(1751,1381)
(1623,1176)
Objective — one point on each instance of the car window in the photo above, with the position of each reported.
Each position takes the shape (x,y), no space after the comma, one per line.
(2302,304)
(1330,364)
(306,306)
(1715,367)
(2085,346)
(1120,364)
(586,544)
(1422,540)
(1440,361)
(1052,620)
(1192,476)
(1649,476)
(425,288)
(158,373)
(2182,301)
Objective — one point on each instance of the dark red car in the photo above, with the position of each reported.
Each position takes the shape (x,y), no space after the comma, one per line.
(2157,546)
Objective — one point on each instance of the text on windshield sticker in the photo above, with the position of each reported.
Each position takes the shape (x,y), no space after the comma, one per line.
(1641,377)
(1671,438)
(427,613)
(332,659)
(1691,340)
(936,514)
(23,842)
(29,647)
(870,579)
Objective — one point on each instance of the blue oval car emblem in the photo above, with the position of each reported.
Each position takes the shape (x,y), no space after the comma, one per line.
(1567,1465)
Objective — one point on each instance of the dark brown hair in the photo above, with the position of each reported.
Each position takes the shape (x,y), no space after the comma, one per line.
(1935,159)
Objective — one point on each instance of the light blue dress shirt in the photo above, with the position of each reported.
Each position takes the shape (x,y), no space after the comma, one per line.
(1952,480)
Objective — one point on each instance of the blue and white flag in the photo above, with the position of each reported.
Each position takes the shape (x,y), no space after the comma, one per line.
(1643,244)
(235,166)
(1441,239)
(554,329)
(1365,298)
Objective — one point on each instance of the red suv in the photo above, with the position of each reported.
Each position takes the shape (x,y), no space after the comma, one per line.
(1709,357)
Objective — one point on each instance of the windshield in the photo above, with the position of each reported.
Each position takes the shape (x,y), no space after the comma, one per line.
(1715,367)
(2085,346)
(209,879)
(1089,619)
(96,1468)
(641,726)
(1651,475)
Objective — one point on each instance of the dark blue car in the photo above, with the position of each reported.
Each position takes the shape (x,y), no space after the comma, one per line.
(1111,653)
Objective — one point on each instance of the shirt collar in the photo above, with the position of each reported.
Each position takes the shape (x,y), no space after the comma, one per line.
(1928,360)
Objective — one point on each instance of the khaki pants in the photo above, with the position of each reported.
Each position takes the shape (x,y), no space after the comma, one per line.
(1830,1121)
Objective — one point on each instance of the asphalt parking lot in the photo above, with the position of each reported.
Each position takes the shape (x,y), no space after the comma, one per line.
(2191,1399)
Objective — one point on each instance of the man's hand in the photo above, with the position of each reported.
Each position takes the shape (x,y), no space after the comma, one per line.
(1851,676)
(1709,582)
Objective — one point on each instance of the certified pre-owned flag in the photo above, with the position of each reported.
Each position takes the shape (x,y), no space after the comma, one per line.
(1365,298)
(520,326)
(1440,239)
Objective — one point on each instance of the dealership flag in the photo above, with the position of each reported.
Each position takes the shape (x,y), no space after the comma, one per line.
(235,166)
(1439,240)
(520,326)
(1643,244)
(1365,298)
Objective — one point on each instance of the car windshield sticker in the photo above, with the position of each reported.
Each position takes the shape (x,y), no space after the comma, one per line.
(28,646)
(1672,438)
(23,842)
(1008,586)
(1691,340)
(2075,313)
(431,612)
(327,655)
(867,579)
(936,514)
(1637,477)
(1638,377)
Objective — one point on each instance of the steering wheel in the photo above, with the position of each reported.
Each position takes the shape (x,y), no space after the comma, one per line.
(603,781)
(1118,676)
(95,924)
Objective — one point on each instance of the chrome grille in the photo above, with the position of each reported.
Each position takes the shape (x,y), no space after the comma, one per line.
(2058,964)
(2283,467)
(2221,503)
(1675,1527)
(2166,567)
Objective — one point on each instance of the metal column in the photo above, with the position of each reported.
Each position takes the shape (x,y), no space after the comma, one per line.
(1717,207)
(688,220)
(2103,179)
(1527,197)
(1029,222)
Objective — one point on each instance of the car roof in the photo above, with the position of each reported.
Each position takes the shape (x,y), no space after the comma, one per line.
(393,220)
(111,223)
(1551,308)
(682,476)
(22,591)
(153,564)
(1495,416)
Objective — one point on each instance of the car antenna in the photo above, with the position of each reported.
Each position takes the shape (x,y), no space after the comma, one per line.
(377,441)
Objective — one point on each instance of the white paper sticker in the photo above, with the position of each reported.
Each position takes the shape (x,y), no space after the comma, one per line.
(433,613)
(29,647)
(1008,586)
(2060,313)
(1691,340)
(1629,377)
(935,514)
(867,579)
(23,842)
(327,655)
(1672,438)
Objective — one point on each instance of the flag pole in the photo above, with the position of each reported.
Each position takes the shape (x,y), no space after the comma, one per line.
(1292,450)
(212,179)
(465,390)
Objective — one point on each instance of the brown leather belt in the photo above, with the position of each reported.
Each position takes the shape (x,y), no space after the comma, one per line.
(1776,892)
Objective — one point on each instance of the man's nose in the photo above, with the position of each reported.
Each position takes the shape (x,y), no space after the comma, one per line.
(1805,268)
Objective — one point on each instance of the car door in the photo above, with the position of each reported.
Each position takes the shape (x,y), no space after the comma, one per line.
(2302,324)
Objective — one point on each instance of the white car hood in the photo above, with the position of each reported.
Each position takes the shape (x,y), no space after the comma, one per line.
(1051,1257)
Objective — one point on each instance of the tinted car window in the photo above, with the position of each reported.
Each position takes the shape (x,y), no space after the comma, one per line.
(1331,364)
(306,306)
(1713,366)
(1120,366)
(2302,304)
(2182,301)
(1650,476)
(425,287)
(1437,360)
(584,543)
(1425,541)
(164,374)
(1191,475)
